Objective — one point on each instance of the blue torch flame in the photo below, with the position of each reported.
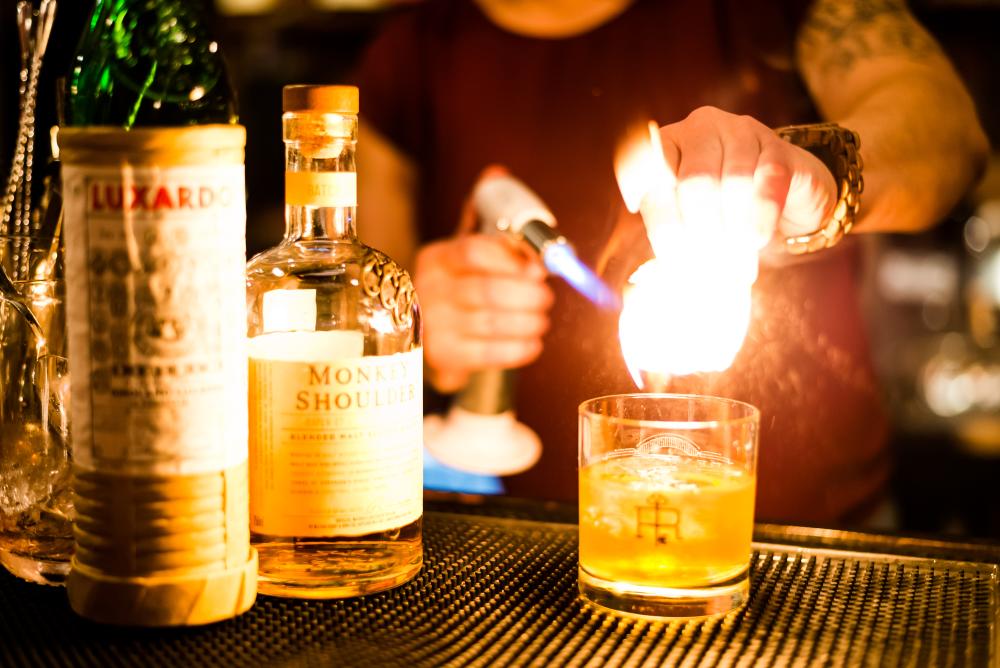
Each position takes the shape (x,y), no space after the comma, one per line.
(561,260)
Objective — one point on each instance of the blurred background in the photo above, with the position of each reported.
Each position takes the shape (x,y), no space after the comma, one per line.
(933,300)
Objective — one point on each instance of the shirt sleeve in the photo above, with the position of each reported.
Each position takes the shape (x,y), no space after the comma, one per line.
(391,77)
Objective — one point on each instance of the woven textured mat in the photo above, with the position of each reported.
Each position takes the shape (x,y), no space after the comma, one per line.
(496,592)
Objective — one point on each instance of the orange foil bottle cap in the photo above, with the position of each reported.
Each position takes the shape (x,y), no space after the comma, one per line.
(329,99)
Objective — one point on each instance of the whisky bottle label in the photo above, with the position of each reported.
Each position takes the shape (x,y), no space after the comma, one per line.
(336,447)
(156,301)
(321,188)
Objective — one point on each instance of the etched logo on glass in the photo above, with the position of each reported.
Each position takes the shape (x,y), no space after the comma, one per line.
(662,520)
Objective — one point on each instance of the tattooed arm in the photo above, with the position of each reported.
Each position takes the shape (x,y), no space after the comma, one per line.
(873,68)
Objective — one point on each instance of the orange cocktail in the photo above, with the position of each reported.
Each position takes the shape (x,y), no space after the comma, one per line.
(666,503)
(663,520)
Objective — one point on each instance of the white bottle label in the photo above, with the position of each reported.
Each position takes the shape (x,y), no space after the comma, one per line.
(156,309)
(289,310)
(336,445)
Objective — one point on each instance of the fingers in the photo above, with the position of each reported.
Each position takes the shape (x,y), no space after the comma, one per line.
(504,354)
(453,349)
(771,180)
(812,194)
(735,177)
(477,272)
(485,305)
(717,156)
(458,342)
(473,291)
(794,191)
(478,253)
(746,214)
(448,375)
(493,324)
(480,272)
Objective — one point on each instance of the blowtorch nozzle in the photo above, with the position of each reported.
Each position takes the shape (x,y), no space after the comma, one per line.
(560,259)
(506,205)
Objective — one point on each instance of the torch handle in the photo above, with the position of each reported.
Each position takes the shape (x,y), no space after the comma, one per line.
(489,392)
(481,433)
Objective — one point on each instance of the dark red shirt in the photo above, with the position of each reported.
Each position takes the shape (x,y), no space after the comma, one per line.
(457,93)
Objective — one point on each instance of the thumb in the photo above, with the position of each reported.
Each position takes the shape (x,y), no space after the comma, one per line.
(812,195)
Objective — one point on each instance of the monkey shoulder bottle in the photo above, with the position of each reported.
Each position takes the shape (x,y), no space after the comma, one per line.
(335,378)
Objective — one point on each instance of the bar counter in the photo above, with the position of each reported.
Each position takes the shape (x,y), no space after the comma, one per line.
(498,588)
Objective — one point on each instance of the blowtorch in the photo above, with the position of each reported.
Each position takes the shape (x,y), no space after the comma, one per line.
(481,433)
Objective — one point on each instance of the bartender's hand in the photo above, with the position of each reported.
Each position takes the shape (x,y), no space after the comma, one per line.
(733,174)
(485,304)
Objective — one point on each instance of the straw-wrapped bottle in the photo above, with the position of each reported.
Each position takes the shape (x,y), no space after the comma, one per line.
(155,225)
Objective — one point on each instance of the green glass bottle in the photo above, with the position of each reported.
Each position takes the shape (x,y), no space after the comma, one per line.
(148,63)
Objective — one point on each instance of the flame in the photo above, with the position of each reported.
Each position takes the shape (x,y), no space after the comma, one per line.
(687,310)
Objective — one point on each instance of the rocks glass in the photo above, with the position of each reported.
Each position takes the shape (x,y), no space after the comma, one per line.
(666,503)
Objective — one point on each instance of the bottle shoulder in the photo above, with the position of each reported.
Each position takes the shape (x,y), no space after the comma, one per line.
(351,286)
(319,258)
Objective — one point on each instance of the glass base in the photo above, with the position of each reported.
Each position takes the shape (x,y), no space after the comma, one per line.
(665,603)
(333,587)
(335,570)
(36,569)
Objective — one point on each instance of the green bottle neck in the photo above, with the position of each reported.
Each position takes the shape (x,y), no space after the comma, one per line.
(142,63)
